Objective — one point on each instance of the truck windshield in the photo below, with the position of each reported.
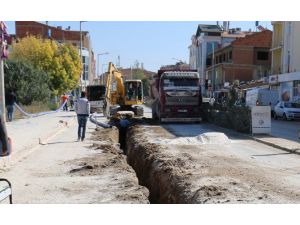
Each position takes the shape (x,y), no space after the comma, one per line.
(176,82)
(95,93)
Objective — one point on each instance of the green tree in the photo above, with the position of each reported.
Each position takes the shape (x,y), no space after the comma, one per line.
(28,83)
(60,61)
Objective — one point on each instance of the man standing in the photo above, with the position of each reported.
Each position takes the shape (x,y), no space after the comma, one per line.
(82,109)
(10,101)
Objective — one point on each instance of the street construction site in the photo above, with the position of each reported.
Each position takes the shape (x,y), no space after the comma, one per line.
(136,154)
(169,163)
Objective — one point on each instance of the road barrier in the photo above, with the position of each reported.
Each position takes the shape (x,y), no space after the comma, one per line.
(40,113)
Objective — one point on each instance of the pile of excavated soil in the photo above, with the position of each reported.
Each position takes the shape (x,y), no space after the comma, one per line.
(109,163)
(199,173)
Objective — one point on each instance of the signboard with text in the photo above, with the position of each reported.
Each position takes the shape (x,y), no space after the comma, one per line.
(261,119)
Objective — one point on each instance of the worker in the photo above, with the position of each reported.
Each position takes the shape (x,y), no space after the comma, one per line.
(130,92)
(82,109)
(139,92)
(64,100)
(10,101)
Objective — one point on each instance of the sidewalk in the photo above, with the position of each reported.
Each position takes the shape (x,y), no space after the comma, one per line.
(273,141)
(277,142)
(27,134)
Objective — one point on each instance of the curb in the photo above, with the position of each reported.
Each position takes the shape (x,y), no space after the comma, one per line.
(294,151)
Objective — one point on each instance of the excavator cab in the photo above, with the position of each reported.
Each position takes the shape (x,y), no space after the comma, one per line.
(134,92)
(122,95)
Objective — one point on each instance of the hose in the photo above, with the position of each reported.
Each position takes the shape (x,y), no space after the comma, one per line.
(40,113)
(98,123)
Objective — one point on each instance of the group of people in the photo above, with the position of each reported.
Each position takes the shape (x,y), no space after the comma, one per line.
(81,106)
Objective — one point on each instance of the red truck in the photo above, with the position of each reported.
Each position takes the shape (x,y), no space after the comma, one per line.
(177,96)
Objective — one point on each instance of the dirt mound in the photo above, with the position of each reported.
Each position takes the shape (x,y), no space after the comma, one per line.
(199,173)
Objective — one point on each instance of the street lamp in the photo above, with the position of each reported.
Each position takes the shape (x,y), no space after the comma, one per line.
(82,69)
(105,53)
(102,77)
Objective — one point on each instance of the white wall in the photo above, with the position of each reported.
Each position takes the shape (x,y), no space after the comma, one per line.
(291,47)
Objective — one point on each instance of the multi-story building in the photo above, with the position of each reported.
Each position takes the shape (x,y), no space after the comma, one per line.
(193,53)
(244,59)
(286,59)
(208,39)
(26,28)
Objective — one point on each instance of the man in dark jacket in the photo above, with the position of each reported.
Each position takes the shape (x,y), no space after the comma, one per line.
(10,101)
(82,109)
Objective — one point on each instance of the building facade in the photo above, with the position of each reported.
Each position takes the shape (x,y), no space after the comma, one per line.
(27,28)
(208,37)
(193,53)
(244,59)
(286,60)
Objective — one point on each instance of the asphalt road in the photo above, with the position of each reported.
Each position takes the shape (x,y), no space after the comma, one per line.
(286,129)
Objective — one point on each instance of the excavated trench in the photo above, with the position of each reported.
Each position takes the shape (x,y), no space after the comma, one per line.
(141,157)
(152,172)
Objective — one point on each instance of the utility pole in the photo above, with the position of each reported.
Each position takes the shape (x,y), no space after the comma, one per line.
(3,54)
(2,91)
(82,69)
(2,87)
(98,64)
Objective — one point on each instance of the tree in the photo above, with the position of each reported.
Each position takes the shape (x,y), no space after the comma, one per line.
(28,83)
(138,74)
(60,61)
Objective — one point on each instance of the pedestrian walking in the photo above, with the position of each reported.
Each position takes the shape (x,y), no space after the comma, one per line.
(82,109)
(71,99)
(64,98)
(10,101)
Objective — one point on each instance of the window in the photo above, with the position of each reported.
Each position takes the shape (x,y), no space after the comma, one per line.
(262,55)
(230,55)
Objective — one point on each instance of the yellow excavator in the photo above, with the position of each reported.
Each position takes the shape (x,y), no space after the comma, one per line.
(122,96)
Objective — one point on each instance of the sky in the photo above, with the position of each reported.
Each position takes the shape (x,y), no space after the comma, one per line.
(152,43)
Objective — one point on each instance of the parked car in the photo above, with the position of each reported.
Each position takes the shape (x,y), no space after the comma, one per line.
(287,110)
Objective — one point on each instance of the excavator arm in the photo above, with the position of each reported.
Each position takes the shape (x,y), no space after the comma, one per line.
(113,97)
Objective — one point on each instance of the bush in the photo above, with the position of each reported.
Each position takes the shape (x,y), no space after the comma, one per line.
(28,83)
(236,117)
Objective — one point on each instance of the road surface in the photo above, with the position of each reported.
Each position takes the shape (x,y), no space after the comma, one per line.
(286,129)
